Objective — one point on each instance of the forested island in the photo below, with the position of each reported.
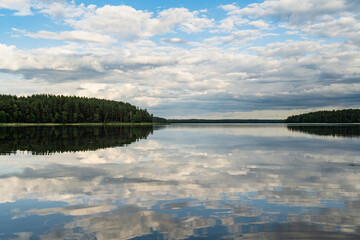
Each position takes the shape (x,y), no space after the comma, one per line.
(334,116)
(46,108)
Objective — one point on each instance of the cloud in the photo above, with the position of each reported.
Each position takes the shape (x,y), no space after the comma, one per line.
(259,24)
(187,21)
(73,210)
(67,11)
(232,64)
(60,171)
(53,8)
(294,11)
(291,49)
(22,7)
(130,24)
(57,59)
(81,36)
(111,91)
(200,80)
(174,40)
(122,21)
(329,19)
(233,20)
(342,27)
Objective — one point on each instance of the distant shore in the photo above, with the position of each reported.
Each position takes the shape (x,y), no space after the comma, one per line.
(81,124)
(226,121)
(170,123)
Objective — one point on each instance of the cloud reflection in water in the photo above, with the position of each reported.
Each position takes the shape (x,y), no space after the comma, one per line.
(239,182)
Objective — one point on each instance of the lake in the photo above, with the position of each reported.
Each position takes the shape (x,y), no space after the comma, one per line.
(185,181)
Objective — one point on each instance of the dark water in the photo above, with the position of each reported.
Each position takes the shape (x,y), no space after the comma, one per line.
(232,181)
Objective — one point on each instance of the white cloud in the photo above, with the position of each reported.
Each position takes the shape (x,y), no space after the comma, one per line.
(292,32)
(130,24)
(65,58)
(23,7)
(154,76)
(64,10)
(187,21)
(232,67)
(294,11)
(238,37)
(53,8)
(227,24)
(290,49)
(343,27)
(111,91)
(73,36)
(259,24)
(174,40)
(233,20)
(124,21)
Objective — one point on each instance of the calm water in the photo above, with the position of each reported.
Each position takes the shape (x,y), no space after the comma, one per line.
(180,182)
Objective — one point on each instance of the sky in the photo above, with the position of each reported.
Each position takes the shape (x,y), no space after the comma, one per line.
(184,58)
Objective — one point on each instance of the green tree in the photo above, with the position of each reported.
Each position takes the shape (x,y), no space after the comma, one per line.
(2,117)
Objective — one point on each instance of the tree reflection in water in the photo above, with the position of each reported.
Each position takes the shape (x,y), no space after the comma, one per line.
(350,131)
(40,140)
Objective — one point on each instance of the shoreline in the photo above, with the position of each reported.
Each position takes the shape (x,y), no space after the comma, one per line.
(80,124)
(177,123)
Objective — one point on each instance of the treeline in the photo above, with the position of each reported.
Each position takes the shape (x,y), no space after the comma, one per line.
(68,109)
(159,120)
(334,116)
(44,140)
(223,121)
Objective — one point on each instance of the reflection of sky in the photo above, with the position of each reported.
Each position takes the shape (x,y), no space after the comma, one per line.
(189,181)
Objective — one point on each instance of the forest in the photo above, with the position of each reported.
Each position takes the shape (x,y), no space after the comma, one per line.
(46,108)
(334,116)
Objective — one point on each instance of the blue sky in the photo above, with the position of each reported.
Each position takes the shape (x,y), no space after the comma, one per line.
(205,59)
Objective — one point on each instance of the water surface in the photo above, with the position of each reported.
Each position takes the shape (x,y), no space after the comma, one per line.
(190,181)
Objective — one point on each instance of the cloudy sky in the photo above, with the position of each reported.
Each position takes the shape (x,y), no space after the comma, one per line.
(185,58)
